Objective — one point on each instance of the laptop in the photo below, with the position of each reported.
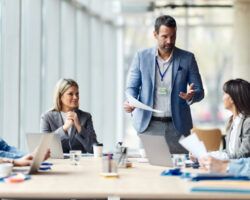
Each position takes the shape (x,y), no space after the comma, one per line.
(56,150)
(157,150)
(42,148)
(38,157)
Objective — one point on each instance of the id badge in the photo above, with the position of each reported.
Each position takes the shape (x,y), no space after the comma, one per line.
(162,91)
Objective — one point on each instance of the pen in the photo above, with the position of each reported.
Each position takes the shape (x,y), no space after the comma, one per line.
(47,163)
(109,162)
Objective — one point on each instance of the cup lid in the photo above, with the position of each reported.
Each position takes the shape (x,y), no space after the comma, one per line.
(98,144)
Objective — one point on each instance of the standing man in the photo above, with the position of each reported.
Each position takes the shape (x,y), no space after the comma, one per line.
(159,78)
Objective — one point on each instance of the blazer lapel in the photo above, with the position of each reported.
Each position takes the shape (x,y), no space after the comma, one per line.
(152,65)
(72,132)
(58,118)
(176,64)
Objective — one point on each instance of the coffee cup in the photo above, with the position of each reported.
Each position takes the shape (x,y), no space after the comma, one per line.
(97,148)
(5,169)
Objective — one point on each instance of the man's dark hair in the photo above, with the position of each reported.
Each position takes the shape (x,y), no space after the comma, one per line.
(165,20)
(239,91)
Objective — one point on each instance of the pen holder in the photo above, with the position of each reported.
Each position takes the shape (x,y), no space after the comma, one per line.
(121,155)
(109,165)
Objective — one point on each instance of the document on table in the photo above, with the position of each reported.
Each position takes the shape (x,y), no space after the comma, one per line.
(134,102)
(194,145)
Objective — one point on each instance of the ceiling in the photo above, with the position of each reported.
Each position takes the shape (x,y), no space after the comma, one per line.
(142,6)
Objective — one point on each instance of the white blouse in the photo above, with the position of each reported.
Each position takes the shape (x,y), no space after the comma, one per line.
(222,155)
(233,134)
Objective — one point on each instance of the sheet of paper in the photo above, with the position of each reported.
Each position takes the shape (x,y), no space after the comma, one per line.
(194,145)
(134,102)
(202,147)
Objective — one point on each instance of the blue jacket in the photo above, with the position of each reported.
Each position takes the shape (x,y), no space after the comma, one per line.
(141,85)
(7,151)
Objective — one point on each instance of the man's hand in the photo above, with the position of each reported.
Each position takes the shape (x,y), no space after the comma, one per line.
(24,161)
(213,165)
(190,93)
(127,107)
(47,154)
(192,157)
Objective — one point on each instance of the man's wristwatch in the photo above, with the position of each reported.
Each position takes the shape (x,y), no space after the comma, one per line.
(8,160)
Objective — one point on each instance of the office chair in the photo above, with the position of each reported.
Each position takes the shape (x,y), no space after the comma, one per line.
(211,137)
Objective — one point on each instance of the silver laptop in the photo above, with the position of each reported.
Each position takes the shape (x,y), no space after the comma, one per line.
(157,150)
(38,157)
(41,150)
(56,150)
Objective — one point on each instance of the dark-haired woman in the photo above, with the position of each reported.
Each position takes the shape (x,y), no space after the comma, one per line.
(236,99)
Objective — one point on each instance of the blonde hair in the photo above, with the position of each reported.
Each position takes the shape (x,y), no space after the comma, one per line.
(61,87)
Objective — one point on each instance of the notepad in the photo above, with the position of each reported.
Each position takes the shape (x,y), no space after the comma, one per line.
(223,186)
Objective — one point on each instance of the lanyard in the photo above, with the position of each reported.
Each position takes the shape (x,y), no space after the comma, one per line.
(162,74)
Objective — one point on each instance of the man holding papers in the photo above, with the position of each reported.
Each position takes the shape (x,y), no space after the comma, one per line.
(159,78)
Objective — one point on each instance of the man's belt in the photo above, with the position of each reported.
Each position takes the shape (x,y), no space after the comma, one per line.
(162,119)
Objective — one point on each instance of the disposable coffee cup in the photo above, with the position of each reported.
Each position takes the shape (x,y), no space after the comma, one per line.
(142,153)
(97,148)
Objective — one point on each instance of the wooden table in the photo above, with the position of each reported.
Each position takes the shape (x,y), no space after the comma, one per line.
(143,181)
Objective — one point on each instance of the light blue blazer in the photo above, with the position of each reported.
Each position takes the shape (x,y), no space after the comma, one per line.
(141,85)
(240,167)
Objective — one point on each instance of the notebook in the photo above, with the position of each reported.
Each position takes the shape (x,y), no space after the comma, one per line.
(56,150)
(157,150)
(234,186)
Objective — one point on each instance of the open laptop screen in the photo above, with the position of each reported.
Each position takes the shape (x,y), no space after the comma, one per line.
(40,152)
(33,140)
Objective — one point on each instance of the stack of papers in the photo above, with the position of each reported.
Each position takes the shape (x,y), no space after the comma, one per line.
(194,145)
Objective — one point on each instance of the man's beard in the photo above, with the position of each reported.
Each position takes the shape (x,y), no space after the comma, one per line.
(168,49)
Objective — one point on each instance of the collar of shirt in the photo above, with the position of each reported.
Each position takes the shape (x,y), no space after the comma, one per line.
(237,119)
(159,58)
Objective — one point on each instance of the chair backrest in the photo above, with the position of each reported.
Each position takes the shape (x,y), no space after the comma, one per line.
(211,137)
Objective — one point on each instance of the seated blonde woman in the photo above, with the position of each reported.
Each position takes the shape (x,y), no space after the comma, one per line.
(74,126)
